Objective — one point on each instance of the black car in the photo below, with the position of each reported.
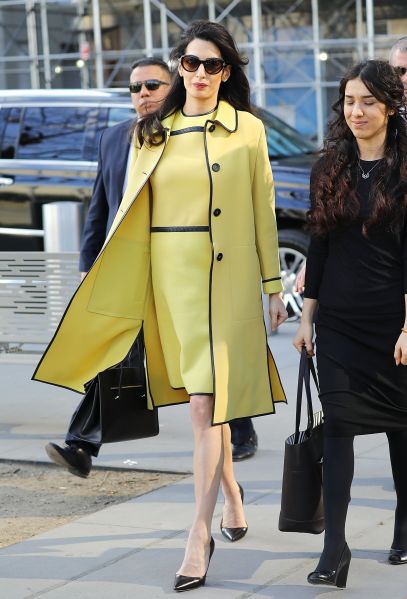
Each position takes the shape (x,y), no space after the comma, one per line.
(48,152)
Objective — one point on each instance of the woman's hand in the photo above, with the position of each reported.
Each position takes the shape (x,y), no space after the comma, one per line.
(278,313)
(305,331)
(303,337)
(400,351)
(300,280)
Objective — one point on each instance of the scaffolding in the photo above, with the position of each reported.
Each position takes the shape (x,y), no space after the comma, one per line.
(298,49)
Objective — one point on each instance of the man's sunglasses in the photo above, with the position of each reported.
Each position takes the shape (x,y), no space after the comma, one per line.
(212,66)
(150,84)
(400,71)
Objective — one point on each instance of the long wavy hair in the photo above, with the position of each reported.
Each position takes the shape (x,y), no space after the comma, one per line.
(236,90)
(333,183)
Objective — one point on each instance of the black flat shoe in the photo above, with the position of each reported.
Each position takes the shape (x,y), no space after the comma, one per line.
(245,450)
(234,534)
(397,557)
(335,578)
(187,583)
(75,459)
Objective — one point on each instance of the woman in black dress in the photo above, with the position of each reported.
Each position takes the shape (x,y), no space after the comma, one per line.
(357,276)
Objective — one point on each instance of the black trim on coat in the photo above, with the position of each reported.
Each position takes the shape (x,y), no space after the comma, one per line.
(224,126)
(193,116)
(179,229)
(272,279)
(210,273)
(278,374)
(188,130)
(178,403)
(146,367)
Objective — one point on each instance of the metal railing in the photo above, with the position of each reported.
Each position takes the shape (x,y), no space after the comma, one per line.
(35,289)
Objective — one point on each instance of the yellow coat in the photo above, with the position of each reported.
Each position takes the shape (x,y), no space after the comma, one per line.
(115,299)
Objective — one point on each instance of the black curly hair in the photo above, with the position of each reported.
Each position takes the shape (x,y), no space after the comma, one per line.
(333,183)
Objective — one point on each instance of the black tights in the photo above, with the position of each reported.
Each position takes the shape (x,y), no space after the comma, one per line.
(398,452)
(338,475)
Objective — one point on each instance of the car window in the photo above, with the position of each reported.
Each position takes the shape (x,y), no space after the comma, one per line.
(9,131)
(283,140)
(57,133)
(117,115)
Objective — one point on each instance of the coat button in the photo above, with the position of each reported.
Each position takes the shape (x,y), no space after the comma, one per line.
(215,167)
(217,211)
(219,257)
(212,128)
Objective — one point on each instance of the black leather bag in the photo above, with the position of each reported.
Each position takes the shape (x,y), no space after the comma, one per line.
(114,408)
(301,497)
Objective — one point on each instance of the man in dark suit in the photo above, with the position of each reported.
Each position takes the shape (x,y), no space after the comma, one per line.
(154,77)
(149,84)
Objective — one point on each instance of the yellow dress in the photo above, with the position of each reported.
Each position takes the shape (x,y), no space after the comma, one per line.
(181,255)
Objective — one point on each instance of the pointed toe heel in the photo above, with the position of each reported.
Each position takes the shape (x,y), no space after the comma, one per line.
(187,583)
(234,534)
(336,578)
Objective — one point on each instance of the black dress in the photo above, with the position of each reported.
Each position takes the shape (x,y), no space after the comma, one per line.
(360,283)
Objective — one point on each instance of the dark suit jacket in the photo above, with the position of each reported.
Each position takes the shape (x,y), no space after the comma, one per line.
(107,191)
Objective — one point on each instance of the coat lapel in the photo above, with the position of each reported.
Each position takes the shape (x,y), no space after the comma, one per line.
(120,160)
(143,163)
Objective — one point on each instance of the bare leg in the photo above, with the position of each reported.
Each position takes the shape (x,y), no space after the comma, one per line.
(208,464)
(233,515)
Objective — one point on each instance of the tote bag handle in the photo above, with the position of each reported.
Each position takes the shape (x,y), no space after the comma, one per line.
(306,367)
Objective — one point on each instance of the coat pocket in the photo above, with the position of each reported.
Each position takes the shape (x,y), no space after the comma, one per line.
(121,281)
(245,283)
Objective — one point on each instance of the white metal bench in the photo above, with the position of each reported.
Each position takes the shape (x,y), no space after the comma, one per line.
(35,288)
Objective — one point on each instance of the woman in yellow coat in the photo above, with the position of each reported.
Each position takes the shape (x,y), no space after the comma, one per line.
(194,237)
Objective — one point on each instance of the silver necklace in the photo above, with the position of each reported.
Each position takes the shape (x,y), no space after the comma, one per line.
(367,175)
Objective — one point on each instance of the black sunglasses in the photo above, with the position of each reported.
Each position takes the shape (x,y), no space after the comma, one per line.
(150,84)
(212,66)
(400,71)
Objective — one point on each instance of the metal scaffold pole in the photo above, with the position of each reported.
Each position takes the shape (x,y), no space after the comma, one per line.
(211,10)
(370,28)
(359,28)
(97,36)
(148,27)
(164,31)
(257,53)
(82,41)
(317,68)
(45,44)
(32,43)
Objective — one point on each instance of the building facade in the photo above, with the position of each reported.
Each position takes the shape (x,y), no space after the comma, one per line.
(298,49)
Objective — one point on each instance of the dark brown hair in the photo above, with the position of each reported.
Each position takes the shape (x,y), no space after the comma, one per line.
(235,90)
(333,181)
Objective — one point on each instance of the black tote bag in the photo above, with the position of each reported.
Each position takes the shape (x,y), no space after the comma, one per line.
(301,497)
(114,408)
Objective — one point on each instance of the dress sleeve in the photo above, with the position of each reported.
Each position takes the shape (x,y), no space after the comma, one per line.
(317,254)
(316,258)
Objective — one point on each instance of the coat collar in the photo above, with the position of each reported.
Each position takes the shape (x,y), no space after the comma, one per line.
(226,116)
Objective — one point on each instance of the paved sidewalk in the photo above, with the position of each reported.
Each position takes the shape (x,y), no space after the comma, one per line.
(132,550)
